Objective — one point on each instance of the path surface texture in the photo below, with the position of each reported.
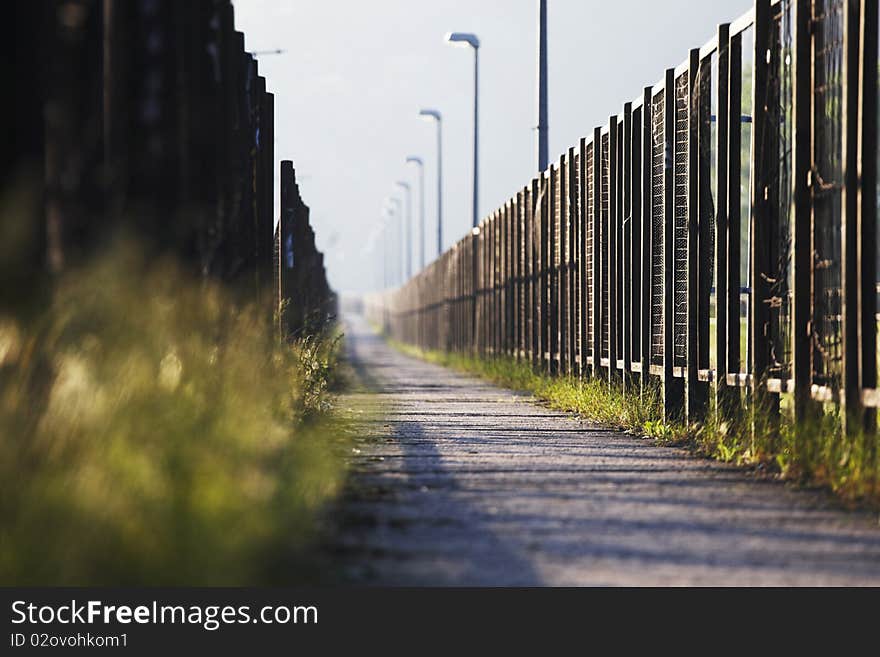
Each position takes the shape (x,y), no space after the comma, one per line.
(458,482)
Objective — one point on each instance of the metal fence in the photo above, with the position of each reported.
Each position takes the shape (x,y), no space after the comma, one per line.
(149,116)
(717,236)
(303,296)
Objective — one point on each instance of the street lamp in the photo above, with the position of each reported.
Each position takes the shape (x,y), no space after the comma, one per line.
(412,159)
(383,236)
(434,116)
(542,85)
(394,209)
(465,39)
(408,243)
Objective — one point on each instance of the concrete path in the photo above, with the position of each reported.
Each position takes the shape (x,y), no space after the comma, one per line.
(464,483)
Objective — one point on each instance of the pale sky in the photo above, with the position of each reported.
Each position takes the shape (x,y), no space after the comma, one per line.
(355,74)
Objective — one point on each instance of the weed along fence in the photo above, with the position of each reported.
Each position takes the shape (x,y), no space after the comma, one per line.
(715,238)
(151,117)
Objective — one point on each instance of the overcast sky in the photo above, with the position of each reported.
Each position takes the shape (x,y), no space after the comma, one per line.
(356,72)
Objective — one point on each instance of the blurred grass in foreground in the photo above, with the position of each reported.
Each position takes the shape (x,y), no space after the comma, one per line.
(154,432)
(816,455)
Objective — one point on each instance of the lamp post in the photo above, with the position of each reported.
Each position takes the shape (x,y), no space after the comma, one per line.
(408,244)
(385,237)
(435,116)
(412,159)
(542,85)
(470,40)
(394,209)
(384,258)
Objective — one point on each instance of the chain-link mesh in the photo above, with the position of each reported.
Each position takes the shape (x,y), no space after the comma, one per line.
(827,180)
(588,249)
(636,236)
(780,183)
(557,224)
(605,173)
(658,157)
(680,253)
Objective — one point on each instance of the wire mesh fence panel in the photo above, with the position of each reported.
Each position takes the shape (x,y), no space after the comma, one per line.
(704,186)
(826,187)
(680,252)
(636,232)
(658,159)
(605,172)
(588,249)
(560,248)
(780,301)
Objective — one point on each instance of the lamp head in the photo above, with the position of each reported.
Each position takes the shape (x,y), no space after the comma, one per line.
(463,39)
(430,115)
(404,184)
(412,159)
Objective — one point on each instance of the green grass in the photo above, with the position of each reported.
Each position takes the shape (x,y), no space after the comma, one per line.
(816,454)
(154,432)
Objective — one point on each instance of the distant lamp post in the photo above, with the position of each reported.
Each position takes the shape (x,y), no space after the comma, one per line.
(465,39)
(394,209)
(435,117)
(412,159)
(385,239)
(542,85)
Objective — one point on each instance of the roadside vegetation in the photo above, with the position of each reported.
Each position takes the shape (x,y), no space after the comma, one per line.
(155,432)
(815,455)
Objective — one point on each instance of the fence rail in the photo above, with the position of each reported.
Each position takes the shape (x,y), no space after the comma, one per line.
(150,115)
(752,166)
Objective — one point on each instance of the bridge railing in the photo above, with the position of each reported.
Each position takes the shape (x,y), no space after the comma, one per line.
(716,236)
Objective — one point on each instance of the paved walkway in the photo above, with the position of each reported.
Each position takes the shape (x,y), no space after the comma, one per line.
(464,483)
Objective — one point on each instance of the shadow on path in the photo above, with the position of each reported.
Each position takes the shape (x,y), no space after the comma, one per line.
(464,483)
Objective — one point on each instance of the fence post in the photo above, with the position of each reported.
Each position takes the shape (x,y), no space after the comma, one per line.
(497,221)
(851,397)
(867,229)
(722,235)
